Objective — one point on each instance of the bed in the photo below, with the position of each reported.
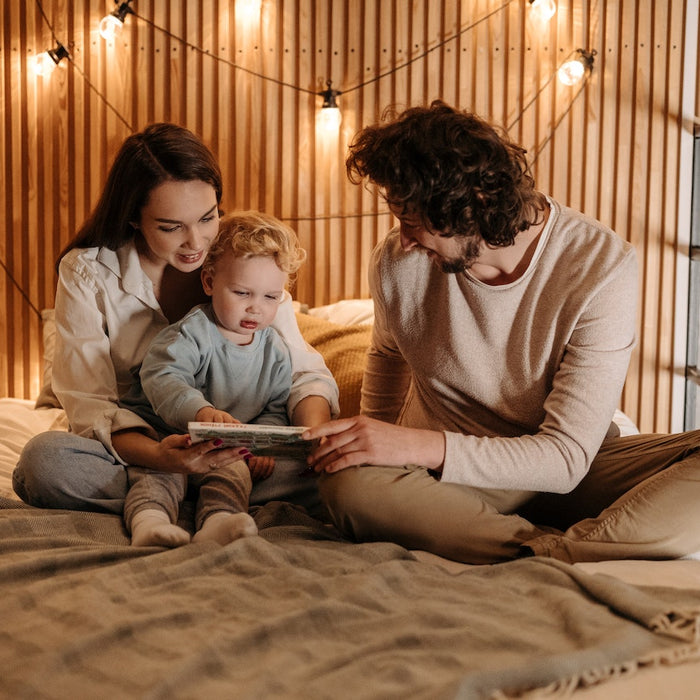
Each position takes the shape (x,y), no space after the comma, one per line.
(300,612)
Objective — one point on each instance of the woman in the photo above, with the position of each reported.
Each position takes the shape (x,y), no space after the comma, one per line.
(132,269)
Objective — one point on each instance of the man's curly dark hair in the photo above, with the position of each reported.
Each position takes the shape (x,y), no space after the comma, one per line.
(452,168)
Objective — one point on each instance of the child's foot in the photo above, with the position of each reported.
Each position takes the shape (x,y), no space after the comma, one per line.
(153,528)
(224,527)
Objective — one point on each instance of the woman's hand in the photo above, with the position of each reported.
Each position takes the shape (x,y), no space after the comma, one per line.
(180,455)
(175,453)
(360,440)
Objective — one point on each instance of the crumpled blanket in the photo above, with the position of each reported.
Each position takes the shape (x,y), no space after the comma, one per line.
(298,612)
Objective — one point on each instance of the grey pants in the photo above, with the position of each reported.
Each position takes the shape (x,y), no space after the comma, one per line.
(58,469)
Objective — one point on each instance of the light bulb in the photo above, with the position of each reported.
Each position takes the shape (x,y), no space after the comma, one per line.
(43,64)
(571,72)
(46,61)
(329,119)
(110,27)
(544,9)
(248,11)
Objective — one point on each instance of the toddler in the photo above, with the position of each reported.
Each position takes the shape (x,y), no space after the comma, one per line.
(221,363)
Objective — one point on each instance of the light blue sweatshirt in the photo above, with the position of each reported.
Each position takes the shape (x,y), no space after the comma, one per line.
(190,365)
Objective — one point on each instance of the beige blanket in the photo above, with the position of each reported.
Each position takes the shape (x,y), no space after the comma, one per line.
(299,613)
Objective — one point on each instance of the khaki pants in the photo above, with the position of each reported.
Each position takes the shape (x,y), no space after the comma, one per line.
(639,500)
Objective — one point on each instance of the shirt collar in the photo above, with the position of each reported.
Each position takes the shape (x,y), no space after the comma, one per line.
(124,263)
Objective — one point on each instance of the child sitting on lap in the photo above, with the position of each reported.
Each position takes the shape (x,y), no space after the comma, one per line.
(221,363)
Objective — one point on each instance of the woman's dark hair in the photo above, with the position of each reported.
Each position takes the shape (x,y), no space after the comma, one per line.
(452,168)
(145,160)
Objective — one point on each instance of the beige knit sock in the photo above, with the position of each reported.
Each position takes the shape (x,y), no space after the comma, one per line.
(224,527)
(152,527)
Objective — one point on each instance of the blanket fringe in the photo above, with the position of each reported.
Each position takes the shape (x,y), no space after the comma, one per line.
(566,687)
(680,625)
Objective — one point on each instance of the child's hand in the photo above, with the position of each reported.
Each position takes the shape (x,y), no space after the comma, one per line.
(209,414)
(260,467)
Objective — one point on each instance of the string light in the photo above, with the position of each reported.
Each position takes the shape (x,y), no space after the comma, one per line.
(112,24)
(573,71)
(248,11)
(51,58)
(329,117)
(543,9)
(46,61)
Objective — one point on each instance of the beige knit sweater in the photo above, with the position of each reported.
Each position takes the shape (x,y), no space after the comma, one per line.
(523,378)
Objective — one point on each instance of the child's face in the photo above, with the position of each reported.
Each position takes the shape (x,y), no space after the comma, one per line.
(245,294)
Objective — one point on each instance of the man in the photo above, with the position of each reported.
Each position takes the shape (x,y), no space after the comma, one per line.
(503,331)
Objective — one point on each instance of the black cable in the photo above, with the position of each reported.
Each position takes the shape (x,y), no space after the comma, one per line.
(538,93)
(100,95)
(282,83)
(332,217)
(430,50)
(556,125)
(216,57)
(16,284)
(48,23)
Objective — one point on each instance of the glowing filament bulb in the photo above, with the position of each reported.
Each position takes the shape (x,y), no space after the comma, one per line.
(248,11)
(43,64)
(544,9)
(110,27)
(329,119)
(571,72)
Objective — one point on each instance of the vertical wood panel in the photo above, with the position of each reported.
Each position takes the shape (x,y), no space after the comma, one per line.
(614,154)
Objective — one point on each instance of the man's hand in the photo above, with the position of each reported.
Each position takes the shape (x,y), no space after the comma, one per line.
(360,441)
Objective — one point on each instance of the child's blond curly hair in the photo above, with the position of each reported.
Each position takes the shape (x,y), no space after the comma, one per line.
(251,233)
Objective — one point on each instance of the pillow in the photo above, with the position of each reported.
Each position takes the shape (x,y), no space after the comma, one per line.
(347,312)
(48,335)
(344,349)
(46,398)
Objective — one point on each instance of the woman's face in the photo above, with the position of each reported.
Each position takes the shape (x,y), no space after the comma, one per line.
(178,223)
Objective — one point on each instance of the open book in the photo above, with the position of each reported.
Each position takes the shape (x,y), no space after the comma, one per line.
(273,440)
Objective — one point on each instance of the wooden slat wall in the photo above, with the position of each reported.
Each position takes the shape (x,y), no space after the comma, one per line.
(613,151)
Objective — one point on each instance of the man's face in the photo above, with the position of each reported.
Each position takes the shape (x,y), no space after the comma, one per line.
(451,254)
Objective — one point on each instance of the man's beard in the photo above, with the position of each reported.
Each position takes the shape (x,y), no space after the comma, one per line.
(470,254)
